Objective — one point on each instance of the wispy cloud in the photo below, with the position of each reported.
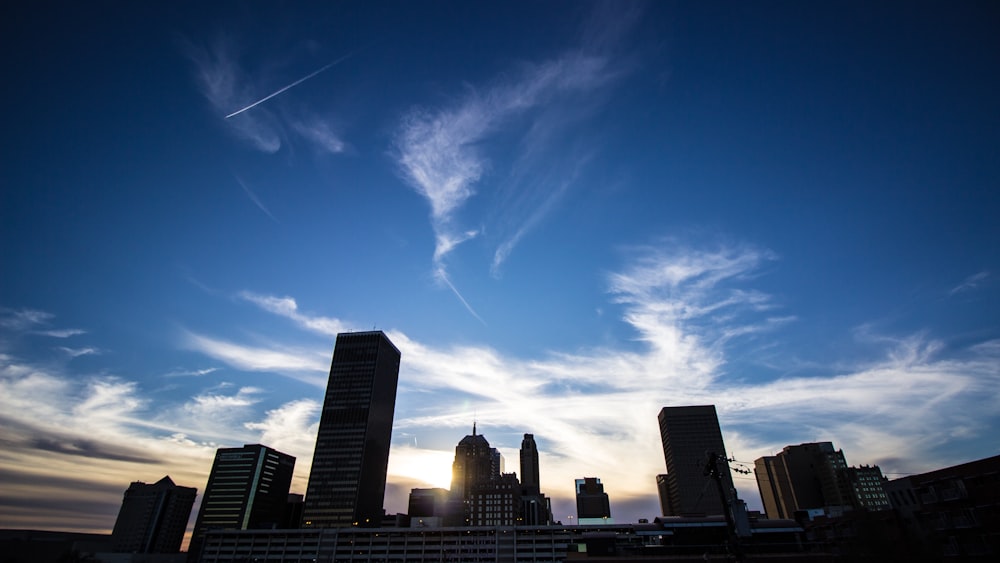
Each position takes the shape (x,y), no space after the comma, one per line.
(77,352)
(975,281)
(190,372)
(61,333)
(440,152)
(288,308)
(321,134)
(234,91)
(303,365)
(256,200)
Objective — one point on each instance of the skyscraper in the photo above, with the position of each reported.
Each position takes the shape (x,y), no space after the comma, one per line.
(592,504)
(536,508)
(689,435)
(481,494)
(529,465)
(816,475)
(247,489)
(153,518)
(347,480)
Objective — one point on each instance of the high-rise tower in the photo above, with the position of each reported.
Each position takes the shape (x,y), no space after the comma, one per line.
(592,504)
(153,518)
(347,480)
(529,465)
(247,489)
(689,435)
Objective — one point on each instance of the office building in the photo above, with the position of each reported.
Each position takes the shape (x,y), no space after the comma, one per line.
(802,477)
(689,435)
(663,491)
(481,494)
(529,465)
(347,479)
(247,489)
(592,504)
(866,486)
(153,518)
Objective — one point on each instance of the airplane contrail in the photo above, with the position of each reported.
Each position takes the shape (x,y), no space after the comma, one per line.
(292,85)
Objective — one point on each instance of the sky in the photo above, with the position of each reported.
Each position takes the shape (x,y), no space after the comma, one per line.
(566,215)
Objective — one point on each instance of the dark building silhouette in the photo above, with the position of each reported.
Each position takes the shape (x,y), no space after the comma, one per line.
(536,508)
(347,480)
(689,435)
(592,504)
(247,489)
(529,465)
(291,517)
(153,518)
(802,477)
(663,491)
(428,507)
(952,514)
(481,494)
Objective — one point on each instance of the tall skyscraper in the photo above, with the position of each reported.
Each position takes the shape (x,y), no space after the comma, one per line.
(689,435)
(592,503)
(536,508)
(481,494)
(347,480)
(153,518)
(529,465)
(247,489)
(816,475)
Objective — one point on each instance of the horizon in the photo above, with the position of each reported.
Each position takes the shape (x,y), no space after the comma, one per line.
(566,216)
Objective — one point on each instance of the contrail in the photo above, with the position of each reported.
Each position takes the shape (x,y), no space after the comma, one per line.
(443,276)
(292,85)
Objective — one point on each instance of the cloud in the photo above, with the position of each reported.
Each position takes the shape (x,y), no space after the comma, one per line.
(236,95)
(23,319)
(77,352)
(190,372)
(61,333)
(226,85)
(321,134)
(970,283)
(256,200)
(440,155)
(302,365)
(288,308)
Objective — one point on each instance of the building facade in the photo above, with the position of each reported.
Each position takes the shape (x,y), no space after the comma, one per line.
(247,489)
(347,479)
(481,494)
(688,434)
(592,503)
(813,475)
(153,518)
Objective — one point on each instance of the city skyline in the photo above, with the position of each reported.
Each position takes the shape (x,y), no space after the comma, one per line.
(566,217)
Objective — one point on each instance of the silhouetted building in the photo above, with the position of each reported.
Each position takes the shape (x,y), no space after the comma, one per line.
(592,504)
(153,518)
(536,508)
(952,514)
(291,517)
(481,494)
(866,485)
(347,480)
(690,434)
(247,489)
(529,465)
(663,490)
(806,476)
(428,507)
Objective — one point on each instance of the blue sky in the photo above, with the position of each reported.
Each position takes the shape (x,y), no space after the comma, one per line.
(565,215)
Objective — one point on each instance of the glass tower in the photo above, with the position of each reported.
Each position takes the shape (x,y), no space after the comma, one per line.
(347,480)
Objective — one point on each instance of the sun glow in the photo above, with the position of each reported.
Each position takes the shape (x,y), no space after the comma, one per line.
(432,467)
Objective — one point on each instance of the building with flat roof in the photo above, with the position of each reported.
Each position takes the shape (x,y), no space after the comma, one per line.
(347,479)
(153,518)
(592,503)
(247,489)
(690,434)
